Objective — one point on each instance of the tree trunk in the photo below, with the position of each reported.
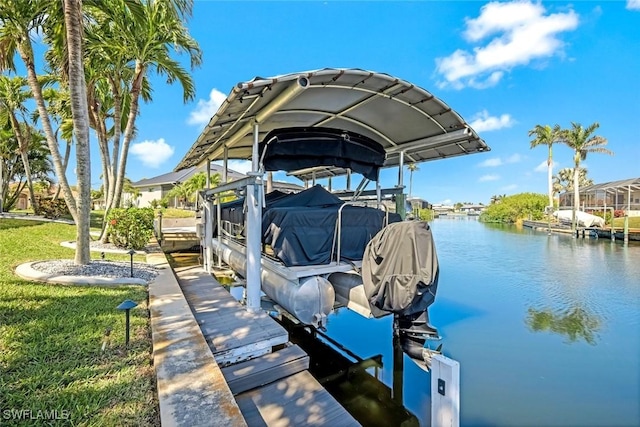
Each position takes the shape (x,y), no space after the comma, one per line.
(23,147)
(550,176)
(26,54)
(410,183)
(576,198)
(80,112)
(136,87)
(65,163)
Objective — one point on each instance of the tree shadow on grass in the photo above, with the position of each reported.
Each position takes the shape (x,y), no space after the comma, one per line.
(51,340)
(9,223)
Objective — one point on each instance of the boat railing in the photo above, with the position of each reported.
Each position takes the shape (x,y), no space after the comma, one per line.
(336,247)
(231,230)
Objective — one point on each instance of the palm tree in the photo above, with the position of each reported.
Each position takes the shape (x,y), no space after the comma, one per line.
(125,42)
(582,142)
(563,181)
(129,40)
(13,96)
(79,108)
(12,167)
(545,135)
(59,107)
(19,20)
(412,168)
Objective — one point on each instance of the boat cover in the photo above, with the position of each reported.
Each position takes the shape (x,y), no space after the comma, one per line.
(233,211)
(400,268)
(300,227)
(292,149)
(584,219)
(302,235)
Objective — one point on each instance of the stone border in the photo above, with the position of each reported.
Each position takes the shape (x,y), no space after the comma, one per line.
(26,271)
(72,245)
(192,390)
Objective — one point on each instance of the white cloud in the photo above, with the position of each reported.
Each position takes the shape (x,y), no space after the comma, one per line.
(518,32)
(206,109)
(490,177)
(497,161)
(542,167)
(242,166)
(633,4)
(514,158)
(483,122)
(152,153)
(490,163)
(509,187)
(446,202)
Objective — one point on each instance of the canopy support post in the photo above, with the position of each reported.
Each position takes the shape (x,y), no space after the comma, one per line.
(225,165)
(254,229)
(400,198)
(208,225)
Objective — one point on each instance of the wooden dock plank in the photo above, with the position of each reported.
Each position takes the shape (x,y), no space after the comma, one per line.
(298,400)
(266,369)
(233,334)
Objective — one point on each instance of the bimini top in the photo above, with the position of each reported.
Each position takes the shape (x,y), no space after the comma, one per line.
(396,114)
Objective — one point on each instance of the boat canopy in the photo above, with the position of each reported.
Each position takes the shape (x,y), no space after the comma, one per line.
(397,115)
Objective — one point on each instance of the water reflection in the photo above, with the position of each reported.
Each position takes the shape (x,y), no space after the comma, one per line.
(574,323)
(355,382)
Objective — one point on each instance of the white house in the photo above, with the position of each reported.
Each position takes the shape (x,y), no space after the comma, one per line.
(156,188)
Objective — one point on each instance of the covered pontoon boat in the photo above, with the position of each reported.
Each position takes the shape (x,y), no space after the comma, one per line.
(312,251)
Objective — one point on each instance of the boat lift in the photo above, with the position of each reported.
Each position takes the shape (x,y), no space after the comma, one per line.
(410,123)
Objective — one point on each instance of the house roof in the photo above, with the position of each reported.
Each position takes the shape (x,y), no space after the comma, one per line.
(613,186)
(401,116)
(185,174)
(286,186)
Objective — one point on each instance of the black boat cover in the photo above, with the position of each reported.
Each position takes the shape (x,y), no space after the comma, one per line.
(400,268)
(296,148)
(302,235)
(300,227)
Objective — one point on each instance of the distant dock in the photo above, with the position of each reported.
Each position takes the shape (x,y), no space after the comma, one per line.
(603,233)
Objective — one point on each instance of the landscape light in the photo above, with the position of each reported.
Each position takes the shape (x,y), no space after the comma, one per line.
(127,305)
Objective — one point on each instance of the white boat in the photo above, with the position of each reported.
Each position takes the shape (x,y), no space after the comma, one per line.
(584,219)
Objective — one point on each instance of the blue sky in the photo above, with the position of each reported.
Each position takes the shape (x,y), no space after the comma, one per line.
(503,66)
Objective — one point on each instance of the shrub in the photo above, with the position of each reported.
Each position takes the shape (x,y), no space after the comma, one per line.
(517,207)
(130,228)
(52,209)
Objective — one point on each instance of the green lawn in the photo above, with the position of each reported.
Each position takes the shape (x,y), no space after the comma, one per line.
(634,222)
(51,337)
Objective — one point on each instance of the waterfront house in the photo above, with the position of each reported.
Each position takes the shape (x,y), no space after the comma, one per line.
(617,196)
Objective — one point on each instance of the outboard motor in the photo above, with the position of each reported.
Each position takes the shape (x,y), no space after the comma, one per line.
(400,276)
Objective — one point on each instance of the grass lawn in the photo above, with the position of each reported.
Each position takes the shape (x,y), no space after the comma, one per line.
(634,222)
(51,362)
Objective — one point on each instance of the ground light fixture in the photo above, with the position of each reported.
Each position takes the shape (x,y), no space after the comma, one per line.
(127,305)
(131,252)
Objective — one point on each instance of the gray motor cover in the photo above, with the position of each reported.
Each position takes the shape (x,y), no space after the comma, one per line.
(400,268)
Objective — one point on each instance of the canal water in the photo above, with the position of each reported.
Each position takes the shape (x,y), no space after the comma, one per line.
(546,330)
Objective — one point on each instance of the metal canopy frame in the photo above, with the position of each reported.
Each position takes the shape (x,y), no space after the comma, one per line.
(406,119)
